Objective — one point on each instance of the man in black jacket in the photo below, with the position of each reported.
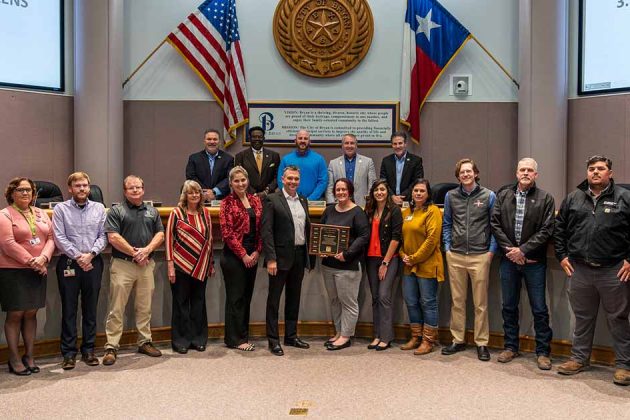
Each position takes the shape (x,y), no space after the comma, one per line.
(401,168)
(522,222)
(260,163)
(592,241)
(285,229)
(210,167)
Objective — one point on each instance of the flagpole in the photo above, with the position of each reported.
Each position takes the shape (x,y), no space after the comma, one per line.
(143,62)
(507,73)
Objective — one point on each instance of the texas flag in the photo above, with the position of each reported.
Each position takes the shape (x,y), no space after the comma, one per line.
(432,38)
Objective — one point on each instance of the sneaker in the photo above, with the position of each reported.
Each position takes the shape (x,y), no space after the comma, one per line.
(543,362)
(68,363)
(507,356)
(622,377)
(89,359)
(148,349)
(110,357)
(571,367)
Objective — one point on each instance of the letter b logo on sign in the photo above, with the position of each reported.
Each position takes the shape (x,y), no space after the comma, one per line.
(266,121)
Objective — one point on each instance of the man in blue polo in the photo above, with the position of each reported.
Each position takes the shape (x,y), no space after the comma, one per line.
(313,169)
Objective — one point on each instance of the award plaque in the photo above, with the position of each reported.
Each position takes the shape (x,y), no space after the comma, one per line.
(328,239)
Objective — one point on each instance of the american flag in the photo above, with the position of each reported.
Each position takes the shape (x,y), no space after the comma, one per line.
(209,41)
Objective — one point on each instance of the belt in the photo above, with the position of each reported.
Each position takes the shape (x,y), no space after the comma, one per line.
(124,257)
(300,247)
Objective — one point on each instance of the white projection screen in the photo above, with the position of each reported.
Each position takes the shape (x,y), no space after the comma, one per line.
(604,58)
(31,44)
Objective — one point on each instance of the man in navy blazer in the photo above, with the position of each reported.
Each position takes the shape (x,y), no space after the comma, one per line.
(401,168)
(210,167)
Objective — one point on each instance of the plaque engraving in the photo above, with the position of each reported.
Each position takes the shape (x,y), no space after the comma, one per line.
(328,239)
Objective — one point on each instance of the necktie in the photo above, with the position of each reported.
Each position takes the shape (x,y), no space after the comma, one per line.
(259,162)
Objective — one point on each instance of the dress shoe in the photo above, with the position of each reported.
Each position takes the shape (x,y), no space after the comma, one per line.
(296,342)
(453,348)
(180,350)
(383,348)
(110,357)
(69,362)
(507,356)
(571,367)
(622,377)
(200,347)
(150,350)
(276,349)
(334,347)
(483,354)
(33,369)
(543,362)
(24,372)
(373,346)
(89,359)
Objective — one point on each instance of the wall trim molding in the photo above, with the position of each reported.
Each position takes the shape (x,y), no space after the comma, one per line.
(162,335)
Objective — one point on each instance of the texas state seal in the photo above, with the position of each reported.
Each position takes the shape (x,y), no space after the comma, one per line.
(323,38)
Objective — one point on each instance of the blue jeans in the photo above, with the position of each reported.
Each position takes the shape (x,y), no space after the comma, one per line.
(534,275)
(421,298)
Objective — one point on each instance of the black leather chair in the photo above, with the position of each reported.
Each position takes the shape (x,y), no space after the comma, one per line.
(626,186)
(47,192)
(96,194)
(439,191)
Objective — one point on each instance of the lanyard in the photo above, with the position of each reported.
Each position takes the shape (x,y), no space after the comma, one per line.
(30,219)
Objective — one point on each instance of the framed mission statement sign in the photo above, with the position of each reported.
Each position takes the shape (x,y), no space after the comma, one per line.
(328,239)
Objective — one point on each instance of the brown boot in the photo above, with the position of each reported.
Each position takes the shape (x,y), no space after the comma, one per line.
(416,336)
(429,338)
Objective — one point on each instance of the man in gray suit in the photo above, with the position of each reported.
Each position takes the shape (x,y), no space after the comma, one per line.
(357,168)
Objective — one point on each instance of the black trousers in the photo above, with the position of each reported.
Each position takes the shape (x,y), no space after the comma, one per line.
(189,319)
(292,278)
(239,287)
(88,285)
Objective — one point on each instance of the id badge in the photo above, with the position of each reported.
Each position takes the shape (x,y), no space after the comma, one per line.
(34,241)
(409,218)
(69,272)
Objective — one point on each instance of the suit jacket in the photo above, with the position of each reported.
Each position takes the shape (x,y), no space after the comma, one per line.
(411,171)
(278,232)
(364,177)
(259,182)
(198,169)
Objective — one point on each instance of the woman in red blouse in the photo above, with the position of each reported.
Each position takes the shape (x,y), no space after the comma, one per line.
(240,217)
(190,262)
(26,247)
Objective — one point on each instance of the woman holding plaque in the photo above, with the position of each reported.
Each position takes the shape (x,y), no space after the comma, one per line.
(240,217)
(423,266)
(190,262)
(382,260)
(26,247)
(341,271)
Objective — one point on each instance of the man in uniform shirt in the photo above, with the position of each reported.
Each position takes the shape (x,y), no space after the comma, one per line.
(135,231)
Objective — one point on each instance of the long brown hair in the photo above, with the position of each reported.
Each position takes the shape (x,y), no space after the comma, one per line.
(370,206)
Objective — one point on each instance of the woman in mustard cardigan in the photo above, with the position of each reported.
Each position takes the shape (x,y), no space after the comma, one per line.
(423,266)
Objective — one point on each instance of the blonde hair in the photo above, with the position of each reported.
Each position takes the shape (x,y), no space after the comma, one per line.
(237,170)
(190,186)
(75,176)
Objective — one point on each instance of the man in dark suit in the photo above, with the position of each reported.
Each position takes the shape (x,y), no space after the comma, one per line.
(285,229)
(261,164)
(210,167)
(401,168)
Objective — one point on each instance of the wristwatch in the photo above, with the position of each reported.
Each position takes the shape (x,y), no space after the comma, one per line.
(385,263)
(93,254)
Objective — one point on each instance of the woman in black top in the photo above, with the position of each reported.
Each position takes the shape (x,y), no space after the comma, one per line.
(382,260)
(341,272)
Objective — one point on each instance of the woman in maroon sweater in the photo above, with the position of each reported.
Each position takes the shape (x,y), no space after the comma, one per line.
(240,217)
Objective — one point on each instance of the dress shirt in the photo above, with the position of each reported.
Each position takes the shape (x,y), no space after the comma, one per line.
(350,165)
(211,159)
(299,217)
(521,199)
(79,230)
(258,154)
(400,166)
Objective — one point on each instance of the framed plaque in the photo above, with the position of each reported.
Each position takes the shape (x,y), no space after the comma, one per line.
(328,239)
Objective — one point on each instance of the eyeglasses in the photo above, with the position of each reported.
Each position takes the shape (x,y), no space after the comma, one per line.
(24,190)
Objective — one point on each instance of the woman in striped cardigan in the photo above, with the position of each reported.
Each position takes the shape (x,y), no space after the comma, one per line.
(190,262)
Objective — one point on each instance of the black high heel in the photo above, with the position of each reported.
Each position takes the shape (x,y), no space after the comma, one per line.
(33,369)
(24,372)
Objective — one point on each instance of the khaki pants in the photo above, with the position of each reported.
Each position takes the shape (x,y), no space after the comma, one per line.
(124,276)
(477,266)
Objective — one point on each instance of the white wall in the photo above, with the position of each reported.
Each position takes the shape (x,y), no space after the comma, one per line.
(167,77)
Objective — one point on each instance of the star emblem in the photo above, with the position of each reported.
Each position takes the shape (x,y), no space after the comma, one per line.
(323,26)
(425,25)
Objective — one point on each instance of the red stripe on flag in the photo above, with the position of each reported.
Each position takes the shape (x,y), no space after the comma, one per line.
(216,66)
